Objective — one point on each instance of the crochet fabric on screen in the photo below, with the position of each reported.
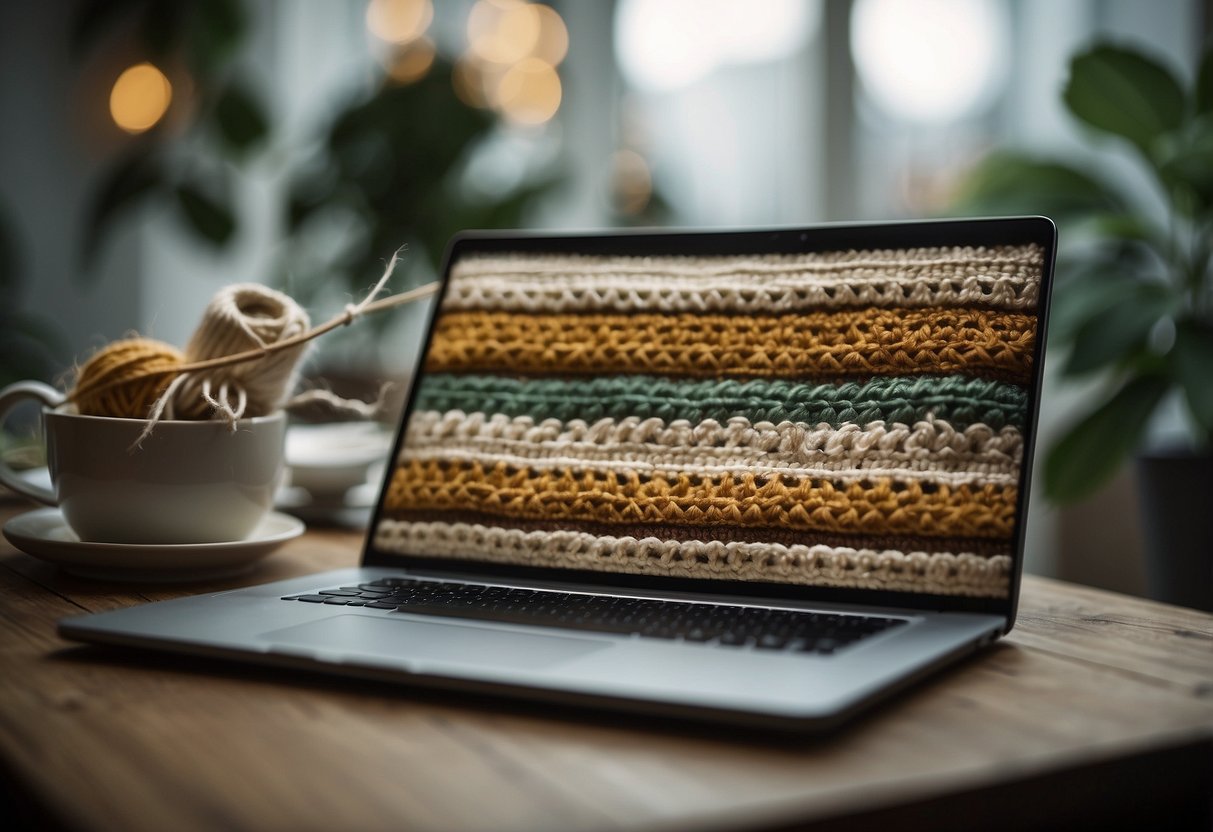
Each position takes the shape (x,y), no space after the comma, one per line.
(848,419)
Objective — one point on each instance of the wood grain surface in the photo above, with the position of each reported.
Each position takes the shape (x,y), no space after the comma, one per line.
(1093,696)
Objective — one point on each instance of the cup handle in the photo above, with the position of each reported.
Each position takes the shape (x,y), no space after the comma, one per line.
(9,397)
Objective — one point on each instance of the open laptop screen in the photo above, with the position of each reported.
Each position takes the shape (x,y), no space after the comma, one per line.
(847,417)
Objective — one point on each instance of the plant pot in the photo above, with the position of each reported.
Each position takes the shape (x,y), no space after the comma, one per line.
(1175,489)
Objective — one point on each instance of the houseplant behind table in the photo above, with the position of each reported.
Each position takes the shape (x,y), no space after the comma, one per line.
(1134,300)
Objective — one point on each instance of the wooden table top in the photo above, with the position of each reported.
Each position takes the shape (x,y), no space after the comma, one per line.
(1092,696)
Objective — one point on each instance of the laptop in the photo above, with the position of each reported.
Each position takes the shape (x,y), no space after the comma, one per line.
(759,477)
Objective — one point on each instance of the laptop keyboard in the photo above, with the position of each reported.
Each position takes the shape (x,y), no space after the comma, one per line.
(724,624)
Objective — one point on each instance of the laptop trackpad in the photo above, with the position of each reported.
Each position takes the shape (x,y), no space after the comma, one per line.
(409,640)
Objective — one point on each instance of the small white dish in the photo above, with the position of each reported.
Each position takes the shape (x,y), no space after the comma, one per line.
(349,509)
(328,460)
(45,534)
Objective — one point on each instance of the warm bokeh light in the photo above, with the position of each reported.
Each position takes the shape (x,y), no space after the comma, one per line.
(931,61)
(399,21)
(140,98)
(662,45)
(412,62)
(529,92)
(553,43)
(467,77)
(503,31)
(510,63)
(631,182)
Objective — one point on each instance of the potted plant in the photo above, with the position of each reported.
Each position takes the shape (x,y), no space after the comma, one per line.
(387,170)
(1134,298)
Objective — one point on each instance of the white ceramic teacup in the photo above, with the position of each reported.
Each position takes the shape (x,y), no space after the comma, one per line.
(187,482)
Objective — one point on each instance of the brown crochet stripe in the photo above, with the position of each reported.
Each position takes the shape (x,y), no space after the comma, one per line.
(879,507)
(727,534)
(836,344)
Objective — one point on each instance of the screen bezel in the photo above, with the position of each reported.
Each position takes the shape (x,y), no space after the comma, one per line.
(662,242)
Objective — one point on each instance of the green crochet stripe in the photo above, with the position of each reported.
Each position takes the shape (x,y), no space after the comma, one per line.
(960,400)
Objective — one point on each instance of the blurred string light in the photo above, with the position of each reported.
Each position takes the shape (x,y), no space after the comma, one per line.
(140,98)
(411,62)
(468,81)
(510,65)
(399,21)
(529,91)
(631,182)
(402,24)
(931,61)
(553,42)
(502,32)
(662,45)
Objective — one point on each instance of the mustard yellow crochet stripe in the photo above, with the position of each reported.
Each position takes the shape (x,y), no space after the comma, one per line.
(878,506)
(941,573)
(839,344)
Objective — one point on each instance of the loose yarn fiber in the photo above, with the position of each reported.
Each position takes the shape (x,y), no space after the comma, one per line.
(124,379)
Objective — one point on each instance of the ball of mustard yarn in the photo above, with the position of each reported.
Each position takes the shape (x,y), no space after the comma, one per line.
(124,379)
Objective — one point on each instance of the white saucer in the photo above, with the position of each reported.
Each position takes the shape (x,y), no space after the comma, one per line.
(45,534)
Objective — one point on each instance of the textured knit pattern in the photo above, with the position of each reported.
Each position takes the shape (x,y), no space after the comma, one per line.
(942,573)
(930,450)
(840,419)
(957,399)
(1002,277)
(877,505)
(817,345)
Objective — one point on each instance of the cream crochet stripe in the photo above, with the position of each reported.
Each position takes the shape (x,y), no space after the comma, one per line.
(930,450)
(1005,277)
(938,573)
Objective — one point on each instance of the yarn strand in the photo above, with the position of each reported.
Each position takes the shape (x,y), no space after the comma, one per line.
(341,320)
(221,399)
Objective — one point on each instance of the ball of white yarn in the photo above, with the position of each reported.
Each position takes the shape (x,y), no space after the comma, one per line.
(242,317)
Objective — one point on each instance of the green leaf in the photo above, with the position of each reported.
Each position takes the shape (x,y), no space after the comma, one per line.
(1087,292)
(31,346)
(1127,227)
(125,186)
(240,119)
(310,194)
(1192,365)
(212,220)
(9,258)
(94,19)
(1008,183)
(161,29)
(1093,450)
(1204,84)
(298,210)
(1116,332)
(217,28)
(1185,165)
(392,172)
(1124,93)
